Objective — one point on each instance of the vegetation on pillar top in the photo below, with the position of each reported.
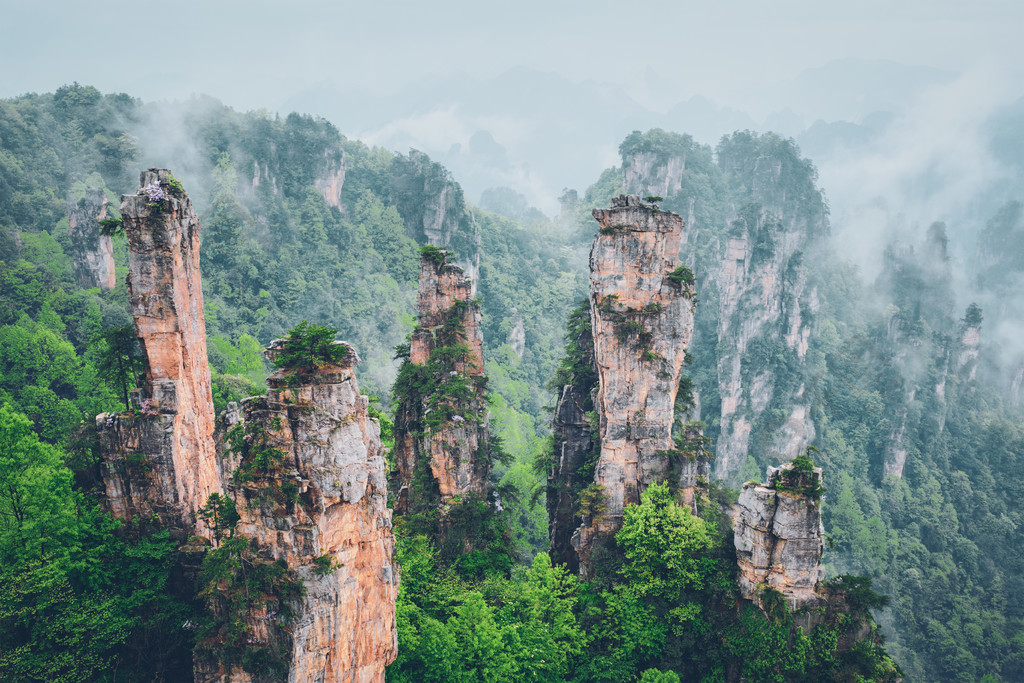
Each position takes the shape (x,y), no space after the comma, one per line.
(309,348)
(436,256)
(799,477)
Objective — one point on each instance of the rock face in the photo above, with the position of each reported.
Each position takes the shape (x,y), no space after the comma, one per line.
(331,177)
(641,310)
(779,538)
(445,427)
(434,211)
(172,435)
(576,444)
(763,298)
(646,173)
(321,507)
(92,252)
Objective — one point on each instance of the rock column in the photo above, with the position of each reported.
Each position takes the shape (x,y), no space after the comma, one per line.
(161,455)
(92,252)
(442,421)
(642,309)
(779,536)
(318,503)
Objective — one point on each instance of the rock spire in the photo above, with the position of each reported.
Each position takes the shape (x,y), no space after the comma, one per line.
(168,438)
(641,312)
(91,251)
(442,423)
(308,480)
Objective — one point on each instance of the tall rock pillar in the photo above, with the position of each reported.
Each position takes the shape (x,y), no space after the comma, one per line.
(779,536)
(641,310)
(441,428)
(91,251)
(310,487)
(161,457)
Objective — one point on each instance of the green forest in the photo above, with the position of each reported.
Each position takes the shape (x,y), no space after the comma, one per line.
(916,424)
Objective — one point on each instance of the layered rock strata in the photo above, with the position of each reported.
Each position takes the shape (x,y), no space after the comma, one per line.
(779,536)
(161,456)
(442,421)
(763,298)
(92,252)
(317,500)
(642,309)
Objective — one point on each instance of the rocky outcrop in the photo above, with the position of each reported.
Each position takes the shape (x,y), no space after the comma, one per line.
(648,173)
(763,299)
(308,478)
(779,536)
(970,343)
(575,442)
(91,251)
(641,308)
(160,457)
(331,177)
(517,335)
(434,210)
(442,421)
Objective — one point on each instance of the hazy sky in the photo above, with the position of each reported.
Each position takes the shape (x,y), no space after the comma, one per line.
(256,53)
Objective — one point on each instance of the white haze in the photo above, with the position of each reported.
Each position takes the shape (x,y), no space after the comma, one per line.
(537,95)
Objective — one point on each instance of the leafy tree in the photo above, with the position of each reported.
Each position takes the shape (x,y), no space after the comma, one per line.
(119,358)
(311,347)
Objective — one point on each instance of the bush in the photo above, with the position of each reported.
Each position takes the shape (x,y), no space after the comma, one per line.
(311,347)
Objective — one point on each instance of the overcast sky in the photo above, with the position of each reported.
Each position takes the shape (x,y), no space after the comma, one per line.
(257,53)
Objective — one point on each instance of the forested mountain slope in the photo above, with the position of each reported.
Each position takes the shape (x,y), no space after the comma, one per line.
(912,406)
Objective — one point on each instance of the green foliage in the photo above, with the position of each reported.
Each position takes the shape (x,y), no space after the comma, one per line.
(324,564)
(308,348)
(593,505)
(238,587)
(682,275)
(436,256)
(799,479)
(111,227)
(75,599)
(119,358)
(220,515)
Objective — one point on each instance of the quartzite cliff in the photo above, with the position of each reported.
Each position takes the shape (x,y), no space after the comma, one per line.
(308,480)
(641,313)
(160,457)
(779,536)
(91,250)
(303,466)
(441,426)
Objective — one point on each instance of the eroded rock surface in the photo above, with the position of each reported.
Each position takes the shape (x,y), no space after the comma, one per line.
(434,210)
(641,309)
(444,428)
(322,509)
(91,251)
(779,539)
(161,456)
(763,296)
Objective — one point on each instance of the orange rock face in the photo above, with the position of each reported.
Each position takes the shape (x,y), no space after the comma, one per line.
(343,629)
(332,177)
(450,436)
(92,252)
(642,321)
(175,429)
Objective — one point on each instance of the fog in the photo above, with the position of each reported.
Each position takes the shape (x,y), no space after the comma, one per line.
(894,103)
